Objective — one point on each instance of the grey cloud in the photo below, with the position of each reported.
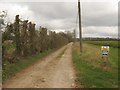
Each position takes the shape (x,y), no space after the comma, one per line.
(62,16)
(104,20)
(53,10)
(93,13)
(99,14)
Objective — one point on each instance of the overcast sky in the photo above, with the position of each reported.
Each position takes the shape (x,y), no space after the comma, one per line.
(99,19)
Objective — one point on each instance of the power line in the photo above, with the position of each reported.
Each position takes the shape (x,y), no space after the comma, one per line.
(75,28)
(76,21)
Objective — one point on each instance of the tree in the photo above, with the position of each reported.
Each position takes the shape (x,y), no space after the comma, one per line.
(24,38)
(3,15)
(17,35)
(32,37)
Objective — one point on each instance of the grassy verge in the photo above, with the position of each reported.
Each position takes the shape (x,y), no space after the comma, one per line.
(11,69)
(90,72)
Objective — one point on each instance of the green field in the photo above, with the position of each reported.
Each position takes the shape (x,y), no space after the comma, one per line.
(90,68)
(110,43)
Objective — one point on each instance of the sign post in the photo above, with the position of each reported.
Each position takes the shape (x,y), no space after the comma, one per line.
(105,53)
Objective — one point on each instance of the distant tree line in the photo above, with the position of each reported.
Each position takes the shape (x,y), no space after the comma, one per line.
(29,41)
(100,39)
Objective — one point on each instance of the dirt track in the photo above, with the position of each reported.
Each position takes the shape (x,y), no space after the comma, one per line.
(50,72)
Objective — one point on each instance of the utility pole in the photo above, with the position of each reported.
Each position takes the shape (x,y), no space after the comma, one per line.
(80,26)
(74,35)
